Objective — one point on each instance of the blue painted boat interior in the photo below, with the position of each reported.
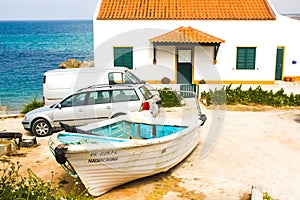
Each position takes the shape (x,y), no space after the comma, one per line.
(120,132)
(130,130)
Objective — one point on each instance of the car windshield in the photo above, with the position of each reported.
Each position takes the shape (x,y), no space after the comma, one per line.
(146,93)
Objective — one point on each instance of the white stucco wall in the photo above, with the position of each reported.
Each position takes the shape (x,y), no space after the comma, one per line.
(266,36)
(291,38)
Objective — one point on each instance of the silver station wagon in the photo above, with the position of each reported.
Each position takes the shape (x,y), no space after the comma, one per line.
(90,105)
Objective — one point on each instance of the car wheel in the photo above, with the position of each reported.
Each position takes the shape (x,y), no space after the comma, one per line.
(41,128)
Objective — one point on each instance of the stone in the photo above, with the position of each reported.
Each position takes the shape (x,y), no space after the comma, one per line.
(165,80)
(256,193)
(70,63)
(87,64)
(7,146)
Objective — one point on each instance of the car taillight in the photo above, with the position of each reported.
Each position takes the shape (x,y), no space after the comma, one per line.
(146,106)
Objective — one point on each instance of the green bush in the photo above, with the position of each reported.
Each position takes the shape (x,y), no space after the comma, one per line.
(169,98)
(251,96)
(33,104)
(15,186)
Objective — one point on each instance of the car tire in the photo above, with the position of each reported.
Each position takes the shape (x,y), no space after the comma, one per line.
(41,128)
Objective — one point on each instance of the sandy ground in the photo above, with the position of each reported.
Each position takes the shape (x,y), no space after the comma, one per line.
(238,150)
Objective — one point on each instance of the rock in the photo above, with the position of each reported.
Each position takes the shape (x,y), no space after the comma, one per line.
(165,80)
(7,146)
(87,64)
(73,63)
(70,63)
(256,193)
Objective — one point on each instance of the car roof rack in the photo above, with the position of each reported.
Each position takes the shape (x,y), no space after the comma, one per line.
(107,85)
(94,86)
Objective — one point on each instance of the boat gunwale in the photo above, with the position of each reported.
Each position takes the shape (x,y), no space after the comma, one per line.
(128,143)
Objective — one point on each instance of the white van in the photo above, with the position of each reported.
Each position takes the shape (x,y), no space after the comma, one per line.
(59,83)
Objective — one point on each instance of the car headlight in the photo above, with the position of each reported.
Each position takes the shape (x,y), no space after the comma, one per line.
(25,118)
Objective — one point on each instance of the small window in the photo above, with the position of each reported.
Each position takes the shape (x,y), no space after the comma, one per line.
(246,58)
(123,57)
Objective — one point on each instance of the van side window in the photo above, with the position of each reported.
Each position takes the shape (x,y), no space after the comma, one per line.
(74,100)
(124,95)
(115,78)
(98,97)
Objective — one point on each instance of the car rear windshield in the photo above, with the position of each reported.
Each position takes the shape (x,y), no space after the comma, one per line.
(146,93)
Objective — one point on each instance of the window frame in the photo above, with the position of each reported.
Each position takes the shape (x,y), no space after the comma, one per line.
(123,57)
(246,58)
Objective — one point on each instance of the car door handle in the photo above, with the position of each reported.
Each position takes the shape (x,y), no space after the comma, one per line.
(80,110)
(108,108)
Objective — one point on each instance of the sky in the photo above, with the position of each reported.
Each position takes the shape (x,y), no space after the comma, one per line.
(47,9)
(287,6)
(84,9)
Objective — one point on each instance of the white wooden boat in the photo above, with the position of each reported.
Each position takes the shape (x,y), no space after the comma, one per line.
(112,152)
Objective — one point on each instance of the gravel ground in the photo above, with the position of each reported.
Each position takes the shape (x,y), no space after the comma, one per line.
(238,150)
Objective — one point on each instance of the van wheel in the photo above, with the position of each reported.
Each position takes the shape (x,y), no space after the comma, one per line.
(41,128)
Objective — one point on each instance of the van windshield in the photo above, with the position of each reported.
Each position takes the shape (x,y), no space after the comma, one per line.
(134,77)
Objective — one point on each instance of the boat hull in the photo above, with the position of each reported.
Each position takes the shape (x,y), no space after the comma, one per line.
(102,167)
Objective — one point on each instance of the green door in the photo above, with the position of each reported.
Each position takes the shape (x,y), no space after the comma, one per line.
(184,66)
(279,63)
(184,73)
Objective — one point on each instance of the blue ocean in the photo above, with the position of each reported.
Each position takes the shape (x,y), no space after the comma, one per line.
(30,48)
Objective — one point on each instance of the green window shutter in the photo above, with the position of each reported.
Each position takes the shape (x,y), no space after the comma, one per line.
(246,58)
(123,57)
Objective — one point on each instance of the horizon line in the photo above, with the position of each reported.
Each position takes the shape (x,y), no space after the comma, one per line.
(44,19)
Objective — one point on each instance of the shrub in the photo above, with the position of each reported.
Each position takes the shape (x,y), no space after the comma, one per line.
(249,97)
(169,98)
(15,186)
(33,104)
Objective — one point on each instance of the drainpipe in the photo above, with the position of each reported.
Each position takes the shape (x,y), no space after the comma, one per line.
(154,54)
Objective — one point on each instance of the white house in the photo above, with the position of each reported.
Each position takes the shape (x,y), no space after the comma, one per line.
(188,41)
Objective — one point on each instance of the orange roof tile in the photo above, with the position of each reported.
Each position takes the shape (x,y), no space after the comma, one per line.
(186,35)
(185,10)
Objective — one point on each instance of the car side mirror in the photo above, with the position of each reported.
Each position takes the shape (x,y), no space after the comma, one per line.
(59,106)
